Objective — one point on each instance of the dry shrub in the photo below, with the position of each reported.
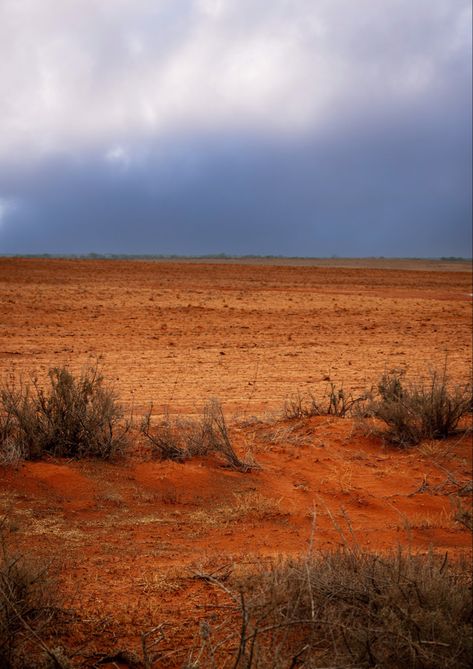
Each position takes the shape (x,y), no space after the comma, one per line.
(180,439)
(74,417)
(349,609)
(170,437)
(414,412)
(27,612)
(334,402)
(463,509)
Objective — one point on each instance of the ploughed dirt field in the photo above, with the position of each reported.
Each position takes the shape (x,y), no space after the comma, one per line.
(130,538)
(251,335)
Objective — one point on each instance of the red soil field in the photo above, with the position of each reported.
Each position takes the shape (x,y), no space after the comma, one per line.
(248,334)
(128,536)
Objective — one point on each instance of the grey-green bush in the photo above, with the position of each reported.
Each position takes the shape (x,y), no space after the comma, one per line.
(412,411)
(72,417)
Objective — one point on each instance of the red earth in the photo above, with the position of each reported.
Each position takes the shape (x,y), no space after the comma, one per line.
(128,537)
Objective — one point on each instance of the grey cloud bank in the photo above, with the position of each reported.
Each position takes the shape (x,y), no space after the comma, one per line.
(293,128)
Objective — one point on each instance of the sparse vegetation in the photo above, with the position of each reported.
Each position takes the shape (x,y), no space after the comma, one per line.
(414,412)
(243,508)
(75,417)
(180,439)
(463,512)
(161,564)
(346,608)
(349,609)
(170,438)
(27,611)
(334,402)
(81,417)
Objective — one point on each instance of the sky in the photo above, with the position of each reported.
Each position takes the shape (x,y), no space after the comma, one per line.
(193,127)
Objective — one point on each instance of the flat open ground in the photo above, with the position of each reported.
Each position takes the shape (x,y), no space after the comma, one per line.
(178,333)
(130,535)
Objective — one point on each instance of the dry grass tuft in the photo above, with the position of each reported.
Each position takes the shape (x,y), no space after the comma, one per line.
(180,440)
(246,506)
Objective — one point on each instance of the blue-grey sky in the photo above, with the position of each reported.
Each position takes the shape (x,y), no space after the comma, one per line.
(286,127)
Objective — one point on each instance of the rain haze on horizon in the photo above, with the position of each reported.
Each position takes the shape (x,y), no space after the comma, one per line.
(192,127)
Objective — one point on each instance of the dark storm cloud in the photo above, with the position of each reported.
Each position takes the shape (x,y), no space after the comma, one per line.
(211,142)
